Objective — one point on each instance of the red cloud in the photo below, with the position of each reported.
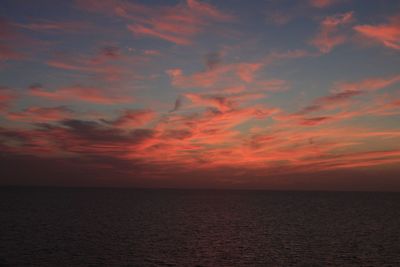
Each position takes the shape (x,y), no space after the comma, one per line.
(56,26)
(133,118)
(7,97)
(386,34)
(103,63)
(8,38)
(344,91)
(369,84)
(41,114)
(222,102)
(176,24)
(8,53)
(328,36)
(322,3)
(221,74)
(141,30)
(80,93)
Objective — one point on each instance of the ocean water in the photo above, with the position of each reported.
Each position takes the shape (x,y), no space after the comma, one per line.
(132,227)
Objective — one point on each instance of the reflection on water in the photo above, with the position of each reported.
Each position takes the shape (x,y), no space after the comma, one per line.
(70,227)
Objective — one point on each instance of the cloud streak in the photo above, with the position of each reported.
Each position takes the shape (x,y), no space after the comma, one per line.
(176,24)
(387,34)
(329,34)
(80,93)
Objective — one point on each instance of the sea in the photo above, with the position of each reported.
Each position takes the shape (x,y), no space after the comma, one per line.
(47,226)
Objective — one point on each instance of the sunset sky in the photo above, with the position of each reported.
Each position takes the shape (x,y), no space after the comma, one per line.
(220,94)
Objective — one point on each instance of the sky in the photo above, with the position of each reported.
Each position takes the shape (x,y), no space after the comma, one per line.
(266,94)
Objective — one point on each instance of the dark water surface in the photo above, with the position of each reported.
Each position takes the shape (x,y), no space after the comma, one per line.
(132,227)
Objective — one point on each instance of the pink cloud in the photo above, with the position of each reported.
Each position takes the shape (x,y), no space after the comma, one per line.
(219,102)
(105,63)
(55,26)
(141,30)
(150,52)
(221,74)
(41,114)
(177,24)
(342,92)
(387,34)
(366,85)
(322,3)
(80,93)
(7,97)
(329,35)
(8,38)
(222,102)
(132,118)
(205,141)
(9,53)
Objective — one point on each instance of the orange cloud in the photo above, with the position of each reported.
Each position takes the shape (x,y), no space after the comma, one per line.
(132,118)
(177,24)
(344,91)
(221,74)
(7,97)
(369,84)
(329,36)
(80,93)
(386,34)
(105,63)
(322,3)
(41,114)
(222,102)
(55,26)
(8,53)
(8,38)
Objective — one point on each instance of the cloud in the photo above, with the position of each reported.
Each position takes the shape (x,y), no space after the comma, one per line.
(278,17)
(177,105)
(177,24)
(219,75)
(80,93)
(132,118)
(56,26)
(342,92)
(314,121)
(104,63)
(329,34)
(203,142)
(388,34)
(41,114)
(322,3)
(212,60)
(366,85)
(150,52)
(140,30)
(8,38)
(7,97)
(8,53)
(222,102)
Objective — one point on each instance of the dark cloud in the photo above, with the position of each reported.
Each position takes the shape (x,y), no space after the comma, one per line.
(212,60)
(177,105)
(112,52)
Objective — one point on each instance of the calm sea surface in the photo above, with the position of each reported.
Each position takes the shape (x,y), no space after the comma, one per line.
(131,227)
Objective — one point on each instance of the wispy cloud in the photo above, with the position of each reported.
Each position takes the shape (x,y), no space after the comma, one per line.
(80,93)
(177,24)
(7,97)
(41,114)
(323,3)
(132,118)
(329,34)
(388,34)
